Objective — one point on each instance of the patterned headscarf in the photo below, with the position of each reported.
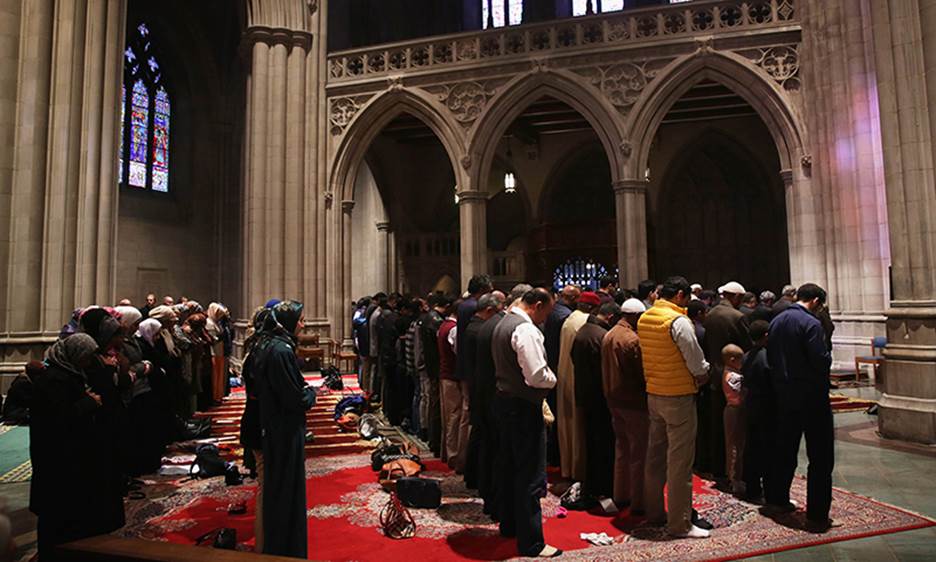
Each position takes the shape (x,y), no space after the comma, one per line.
(287,315)
(129,316)
(71,352)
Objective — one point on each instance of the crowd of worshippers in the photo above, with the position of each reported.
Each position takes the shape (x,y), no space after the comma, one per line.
(118,386)
(624,391)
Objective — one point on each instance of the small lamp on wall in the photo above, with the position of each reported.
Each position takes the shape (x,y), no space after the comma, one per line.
(510,183)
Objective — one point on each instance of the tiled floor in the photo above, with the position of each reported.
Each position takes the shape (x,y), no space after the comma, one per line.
(907,480)
(904,479)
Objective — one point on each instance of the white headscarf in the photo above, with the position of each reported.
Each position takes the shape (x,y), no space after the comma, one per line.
(129,316)
(149,329)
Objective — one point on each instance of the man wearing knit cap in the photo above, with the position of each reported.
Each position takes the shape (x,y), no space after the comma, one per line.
(724,324)
(626,393)
(570,422)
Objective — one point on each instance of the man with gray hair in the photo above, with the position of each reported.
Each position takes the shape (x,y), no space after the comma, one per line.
(787,298)
(763,309)
(489,304)
(517,292)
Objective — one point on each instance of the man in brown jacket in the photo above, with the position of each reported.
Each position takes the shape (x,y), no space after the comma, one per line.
(724,324)
(626,393)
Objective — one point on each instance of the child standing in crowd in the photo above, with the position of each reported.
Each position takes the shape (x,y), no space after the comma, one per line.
(732,379)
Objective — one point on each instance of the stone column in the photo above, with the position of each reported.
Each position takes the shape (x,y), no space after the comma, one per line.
(392,281)
(630,204)
(344,321)
(383,253)
(275,190)
(905,46)
(472,221)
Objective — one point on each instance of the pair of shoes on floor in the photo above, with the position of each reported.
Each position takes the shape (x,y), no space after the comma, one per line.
(771,510)
(549,552)
(693,533)
(819,526)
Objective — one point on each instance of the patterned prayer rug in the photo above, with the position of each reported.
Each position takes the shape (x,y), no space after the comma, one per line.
(345,500)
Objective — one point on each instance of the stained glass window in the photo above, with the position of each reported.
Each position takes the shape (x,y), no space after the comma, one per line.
(139,133)
(161,142)
(579,271)
(144,117)
(494,15)
(580,7)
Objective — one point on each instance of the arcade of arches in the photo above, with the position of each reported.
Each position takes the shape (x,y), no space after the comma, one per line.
(793,144)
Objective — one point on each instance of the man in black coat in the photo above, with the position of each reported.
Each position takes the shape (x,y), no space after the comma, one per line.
(391,371)
(482,411)
(761,410)
(590,399)
(800,361)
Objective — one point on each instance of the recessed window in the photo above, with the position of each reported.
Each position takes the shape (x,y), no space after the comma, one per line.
(145,110)
(498,13)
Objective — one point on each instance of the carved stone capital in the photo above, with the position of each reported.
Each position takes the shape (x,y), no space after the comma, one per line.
(471,196)
(382,226)
(787,177)
(271,36)
(629,186)
(347,206)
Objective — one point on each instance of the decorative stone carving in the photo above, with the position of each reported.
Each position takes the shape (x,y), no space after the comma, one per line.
(539,65)
(341,111)
(347,206)
(395,82)
(621,83)
(466,161)
(313,6)
(626,149)
(466,100)
(806,161)
(780,63)
(329,199)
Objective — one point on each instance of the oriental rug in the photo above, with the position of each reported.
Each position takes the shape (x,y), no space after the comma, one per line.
(345,500)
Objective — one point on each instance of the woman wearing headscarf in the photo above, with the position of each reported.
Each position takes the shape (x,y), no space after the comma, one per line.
(76,490)
(216,329)
(192,343)
(251,434)
(284,399)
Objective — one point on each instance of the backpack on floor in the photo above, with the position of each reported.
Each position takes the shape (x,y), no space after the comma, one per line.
(421,493)
(208,462)
(355,404)
(332,378)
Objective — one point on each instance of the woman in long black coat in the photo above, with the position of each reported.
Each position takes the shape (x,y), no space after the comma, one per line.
(76,489)
(284,399)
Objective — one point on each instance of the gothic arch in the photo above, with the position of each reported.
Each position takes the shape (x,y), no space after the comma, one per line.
(371,120)
(766,97)
(526,89)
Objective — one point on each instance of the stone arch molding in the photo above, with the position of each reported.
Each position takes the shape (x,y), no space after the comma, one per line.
(516,95)
(369,119)
(763,92)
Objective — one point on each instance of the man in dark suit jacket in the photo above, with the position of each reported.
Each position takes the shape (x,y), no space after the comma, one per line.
(799,362)
(724,324)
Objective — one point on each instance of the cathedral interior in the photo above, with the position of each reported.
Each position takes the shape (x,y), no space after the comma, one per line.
(322,151)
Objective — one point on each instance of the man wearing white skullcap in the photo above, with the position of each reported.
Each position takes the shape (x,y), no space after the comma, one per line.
(724,324)
(625,391)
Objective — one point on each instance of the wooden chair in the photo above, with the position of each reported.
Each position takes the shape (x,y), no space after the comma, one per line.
(347,357)
(875,359)
(309,350)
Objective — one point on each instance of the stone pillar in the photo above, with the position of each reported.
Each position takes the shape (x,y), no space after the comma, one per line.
(344,321)
(383,252)
(392,281)
(472,221)
(847,171)
(275,234)
(630,204)
(905,47)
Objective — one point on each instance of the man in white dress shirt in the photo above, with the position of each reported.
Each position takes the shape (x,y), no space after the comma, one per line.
(523,381)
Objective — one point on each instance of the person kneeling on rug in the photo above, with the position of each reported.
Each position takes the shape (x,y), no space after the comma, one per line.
(284,399)
(523,380)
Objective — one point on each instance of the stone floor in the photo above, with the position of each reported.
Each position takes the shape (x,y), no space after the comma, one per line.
(905,478)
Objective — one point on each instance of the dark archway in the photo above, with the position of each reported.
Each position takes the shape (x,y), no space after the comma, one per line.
(720,215)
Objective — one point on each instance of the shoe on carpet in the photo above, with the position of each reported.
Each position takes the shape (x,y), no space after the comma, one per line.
(700,522)
(549,552)
(773,509)
(693,533)
(820,526)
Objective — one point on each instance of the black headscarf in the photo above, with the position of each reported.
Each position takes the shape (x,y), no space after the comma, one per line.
(100,325)
(287,315)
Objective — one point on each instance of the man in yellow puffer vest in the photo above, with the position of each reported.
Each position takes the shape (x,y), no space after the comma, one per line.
(674,366)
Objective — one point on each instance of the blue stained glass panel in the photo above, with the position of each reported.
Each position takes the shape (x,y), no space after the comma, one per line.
(161,142)
(139,114)
(123,113)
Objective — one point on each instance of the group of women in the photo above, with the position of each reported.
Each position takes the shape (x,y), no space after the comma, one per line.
(112,392)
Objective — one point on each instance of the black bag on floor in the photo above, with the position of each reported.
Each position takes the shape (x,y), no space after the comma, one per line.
(417,492)
(332,378)
(381,455)
(208,462)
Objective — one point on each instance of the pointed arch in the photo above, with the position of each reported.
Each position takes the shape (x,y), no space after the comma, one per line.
(733,71)
(374,116)
(519,93)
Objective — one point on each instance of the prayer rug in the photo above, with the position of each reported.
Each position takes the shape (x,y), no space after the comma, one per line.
(344,502)
(841,403)
(14,454)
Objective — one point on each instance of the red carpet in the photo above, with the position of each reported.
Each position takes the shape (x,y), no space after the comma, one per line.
(344,502)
